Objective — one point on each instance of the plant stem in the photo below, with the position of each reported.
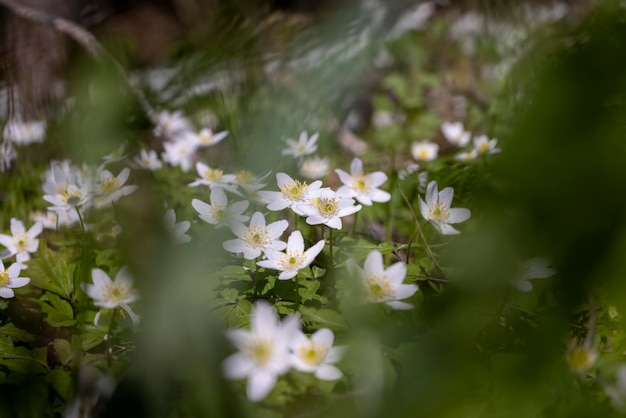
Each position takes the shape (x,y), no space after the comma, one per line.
(82,223)
(420,231)
(109,352)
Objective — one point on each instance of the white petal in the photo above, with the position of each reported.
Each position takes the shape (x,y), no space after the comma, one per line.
(100,278)
(356,166)
(446,229)
(201,207)
(400,306)
(524,285)
(295,241)
(431,193)
(334,223)
(19,282)
(234,245)
(311,253)
(282,179)
(323,336)
(404,291)
(396,272)
(458,215)
(237,366)
(17,227)
(374,263)
(6,292)
(276,229)
(445,196)
(328,372)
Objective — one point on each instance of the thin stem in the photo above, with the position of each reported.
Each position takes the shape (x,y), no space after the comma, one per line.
(254,282)
(297,296)
(109,352)
(330,239)
(295,221)
(420,231)
(80,218)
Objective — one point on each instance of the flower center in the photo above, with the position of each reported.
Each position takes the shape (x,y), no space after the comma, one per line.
(118,292)
(4,278)
(109,185)
(212,174)
(312,354)
(261,350)
(243,177)
(378,288)
(257,237)
(205,137)
(294,190)
(73,196)
(581,359)
(484,147)
(292,260)
(219,212)
(21,242)
(439,212)
(360,183)
(327,206)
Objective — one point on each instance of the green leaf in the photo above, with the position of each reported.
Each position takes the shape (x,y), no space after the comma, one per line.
(61,383)
(239,315)
(323,317)
(60,312)
(271,282)
(10,330)
(63,349)
(19,359)
(50,271)
(308,290)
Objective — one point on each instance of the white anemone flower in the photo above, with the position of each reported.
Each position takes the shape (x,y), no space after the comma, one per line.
(385,285)
(424,150)
(206,137)
(10,279)
(111,188)
(179,153)
(257,237)
(213,177)
(292,193)
(455,133)
(305,145)
(24,133)
(293,259)
(363,187)
(466,156)
(249,182)
(171,124)
(437,209)
(534,268)
(314,167)
(263,353)
(74,196)
(328,209)
(484,145)
(219,212)
(177,230)
(148,160)
(22,242)
(110,294)
(115,155)
(316,354)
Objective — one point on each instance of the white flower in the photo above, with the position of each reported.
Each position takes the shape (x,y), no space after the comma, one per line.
(363,187)
(437,209)
(176,230)
(48,219)
(112,294)
(249,182)
(24,133)
(455,134)
(484,145)
(111,188)
(303,146)
(206,137)
(328,209)
(9,279)
(384,286)
(293,259)
(292,193)
(219,213)
(148,160)
(60,175)
(21,241)
(534,268)
(179,153)
(256,238)
(314,167)
(466,156)
(116,155)
(424,151)
(263,350)
(213,177)
(316,354)
(170,124)
(73,196)
(408,169)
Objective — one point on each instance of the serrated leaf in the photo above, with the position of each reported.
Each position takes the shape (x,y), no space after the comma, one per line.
(239,315)
(10,330)
(308,290)
(271,282)
(60,312)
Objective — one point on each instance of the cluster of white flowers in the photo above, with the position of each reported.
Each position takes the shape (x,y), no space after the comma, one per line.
(272,347)
(67,187)
(182,141)
(20,244)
